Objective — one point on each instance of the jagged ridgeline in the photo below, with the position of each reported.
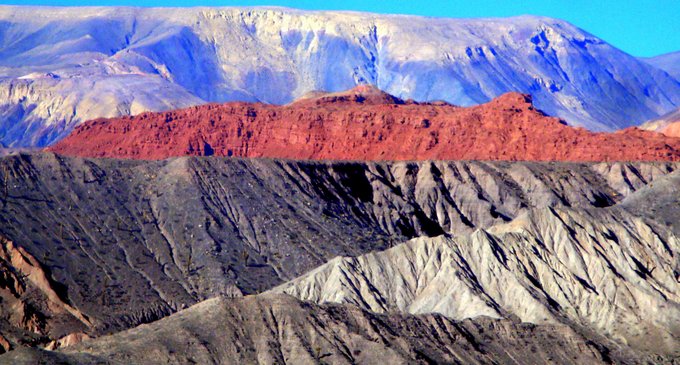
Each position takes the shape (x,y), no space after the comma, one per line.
(117,243)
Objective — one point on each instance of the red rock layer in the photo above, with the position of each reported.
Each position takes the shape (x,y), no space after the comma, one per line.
(362,124)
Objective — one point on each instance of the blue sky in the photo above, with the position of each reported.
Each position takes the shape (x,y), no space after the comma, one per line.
(639,27)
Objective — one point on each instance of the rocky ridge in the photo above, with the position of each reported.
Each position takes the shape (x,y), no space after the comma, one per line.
(60,67)
(363,124)
(606,270)
(554,285)
(669,62)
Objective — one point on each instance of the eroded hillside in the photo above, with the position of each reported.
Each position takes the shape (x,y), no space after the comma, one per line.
(128,242)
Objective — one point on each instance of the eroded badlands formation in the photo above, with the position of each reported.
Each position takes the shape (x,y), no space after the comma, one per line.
(363,124)
(507,262)
(109,244)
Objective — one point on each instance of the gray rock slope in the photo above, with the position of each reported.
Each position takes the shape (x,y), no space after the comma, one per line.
(128,242)
(277,329)
(659,201)
(605,270)
(61,66)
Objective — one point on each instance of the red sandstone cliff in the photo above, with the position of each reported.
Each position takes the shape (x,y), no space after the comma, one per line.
(362,124)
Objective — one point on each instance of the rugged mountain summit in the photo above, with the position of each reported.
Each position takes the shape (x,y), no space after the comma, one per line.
(127,242)
(59,67)
(363,124)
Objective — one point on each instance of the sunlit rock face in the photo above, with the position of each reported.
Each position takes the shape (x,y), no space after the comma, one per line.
(60,67)
(364,124)
(603,269)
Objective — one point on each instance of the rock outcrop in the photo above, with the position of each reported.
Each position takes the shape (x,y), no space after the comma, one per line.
(68,340)
(363,124)
(33,306)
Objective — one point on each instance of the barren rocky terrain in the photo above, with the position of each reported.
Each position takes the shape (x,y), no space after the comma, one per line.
(276,329)
(263,185)
(604,269)
(667,124)
(363,124)
(95,245)
(60,67)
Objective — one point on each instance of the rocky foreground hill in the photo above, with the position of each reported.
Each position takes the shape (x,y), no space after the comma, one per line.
(276,329)
(363,124)
(603,269)
(96,246)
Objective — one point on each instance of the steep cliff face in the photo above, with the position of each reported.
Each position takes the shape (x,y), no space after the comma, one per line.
(98,62)
(363,124)
(133,241)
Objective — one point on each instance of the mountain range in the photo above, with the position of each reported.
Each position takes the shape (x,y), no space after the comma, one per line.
(270,185)
(59,67)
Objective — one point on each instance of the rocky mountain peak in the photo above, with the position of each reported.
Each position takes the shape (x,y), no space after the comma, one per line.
(362,94)
(514,100)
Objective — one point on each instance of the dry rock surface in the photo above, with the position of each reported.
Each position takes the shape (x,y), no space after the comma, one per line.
(668,124)
(607,271)
(363,123)
(277,329)
(60,67)
(544,255)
